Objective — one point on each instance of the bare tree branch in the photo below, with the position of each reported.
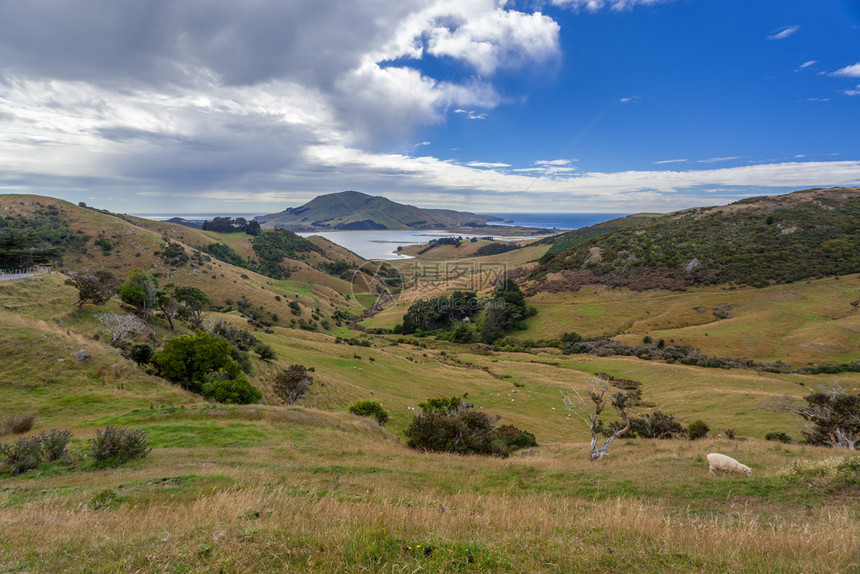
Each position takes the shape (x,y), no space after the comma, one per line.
(589,411)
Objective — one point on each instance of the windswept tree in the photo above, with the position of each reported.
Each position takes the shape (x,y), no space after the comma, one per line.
(95,287)
(140,291)
(590,407)
(831,416)
(194,303)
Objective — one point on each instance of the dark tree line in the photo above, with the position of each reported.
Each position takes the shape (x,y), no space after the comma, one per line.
(232,225)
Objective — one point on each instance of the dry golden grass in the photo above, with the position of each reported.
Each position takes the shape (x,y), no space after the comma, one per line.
(380,508)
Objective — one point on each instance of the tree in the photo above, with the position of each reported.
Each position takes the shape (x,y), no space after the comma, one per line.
(589,411)
(121,326)
(195,302)
(291,384)
(96,287)
(168,305)
(832,416)
(189,358)
(140,291)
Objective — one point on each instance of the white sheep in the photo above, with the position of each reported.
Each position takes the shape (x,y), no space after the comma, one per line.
(717,461)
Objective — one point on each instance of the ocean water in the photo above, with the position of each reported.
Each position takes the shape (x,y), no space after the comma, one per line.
(555,220)
(382,244)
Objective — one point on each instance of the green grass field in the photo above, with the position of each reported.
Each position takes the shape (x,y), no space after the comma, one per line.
(310,488)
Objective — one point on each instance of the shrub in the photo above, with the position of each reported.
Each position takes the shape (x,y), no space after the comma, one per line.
(657,425)
(444,405)
(462,432)
(515,438)
(265,351)
(698,429)
(22,455)
(778,437)
(450,425)
(370,408)
(291,384)
(220,387)
(141,353)
(53,444)
(117,445)
(16,424)
(187,359)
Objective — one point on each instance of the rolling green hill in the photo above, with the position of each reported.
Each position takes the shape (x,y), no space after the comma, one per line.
(757,241)
(351,210)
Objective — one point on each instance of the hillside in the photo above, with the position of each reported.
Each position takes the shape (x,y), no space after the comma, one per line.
(262,275)
(265,487)
(351,210)
(757,241)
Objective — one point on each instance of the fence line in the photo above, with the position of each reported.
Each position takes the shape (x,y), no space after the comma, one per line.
(22,272)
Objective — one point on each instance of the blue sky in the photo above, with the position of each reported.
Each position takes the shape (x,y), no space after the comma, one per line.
(542,105)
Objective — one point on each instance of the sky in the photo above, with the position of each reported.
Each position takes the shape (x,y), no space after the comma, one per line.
(494,106)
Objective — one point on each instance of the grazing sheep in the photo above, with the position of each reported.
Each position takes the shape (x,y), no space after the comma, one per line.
(717,461)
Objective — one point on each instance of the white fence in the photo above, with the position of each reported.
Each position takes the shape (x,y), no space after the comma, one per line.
(23,272)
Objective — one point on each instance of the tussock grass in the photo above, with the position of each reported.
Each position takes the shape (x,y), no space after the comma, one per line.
(16,424)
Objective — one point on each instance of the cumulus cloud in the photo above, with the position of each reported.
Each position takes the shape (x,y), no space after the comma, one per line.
(783,33)
(353,56)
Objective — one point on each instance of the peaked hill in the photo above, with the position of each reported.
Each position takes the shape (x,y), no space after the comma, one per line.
(352,210)
(757,241)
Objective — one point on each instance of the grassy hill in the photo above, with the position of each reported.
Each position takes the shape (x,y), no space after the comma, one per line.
(757,241)
(300,270)
(351,210)
(310,488)
(264,487)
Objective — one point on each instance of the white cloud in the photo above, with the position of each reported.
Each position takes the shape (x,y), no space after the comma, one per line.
(630,100)
(852,71)
(717,159)
(492,165)
(552,162)
(670,161)
(805,65)
(471,114)
(594,5)
(783,33)
(854,92)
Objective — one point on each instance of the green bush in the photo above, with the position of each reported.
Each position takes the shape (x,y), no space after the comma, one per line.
(265,352)
(698,429)
(778,437)
(515,438)
(450,425)
(220,387)
(189,358)
(117,445)
(141,353)
(370,408)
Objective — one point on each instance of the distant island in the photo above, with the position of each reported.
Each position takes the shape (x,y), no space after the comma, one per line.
(352,210)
